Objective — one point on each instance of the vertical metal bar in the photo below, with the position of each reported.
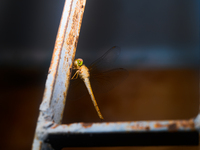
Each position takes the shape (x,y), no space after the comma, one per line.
(52,106)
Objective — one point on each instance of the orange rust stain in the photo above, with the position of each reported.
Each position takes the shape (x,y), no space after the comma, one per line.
(64,102)
(86,125)
(75,26)
(76,41)
(64,94)
(55,126)
(138,127)
(71,38)
(107,123)
(72,32)
(188,124)
(40,145)
(158,125)
(61,115)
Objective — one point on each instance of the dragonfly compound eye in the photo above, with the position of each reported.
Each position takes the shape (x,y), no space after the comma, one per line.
(78,63)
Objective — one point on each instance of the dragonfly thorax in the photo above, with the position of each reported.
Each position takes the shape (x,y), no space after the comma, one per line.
(84,72)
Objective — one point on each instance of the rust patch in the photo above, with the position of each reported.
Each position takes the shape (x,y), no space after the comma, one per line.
(158,125)
(76,41)
(76,24)
(71,38)
(40,147)
(147,128)
(188,124)
(54,126)
(138,127)
(173,127)
(107,123)
(64,94)
(86,125)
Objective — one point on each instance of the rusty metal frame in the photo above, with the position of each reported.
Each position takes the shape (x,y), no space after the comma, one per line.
(52,106)
(53,103)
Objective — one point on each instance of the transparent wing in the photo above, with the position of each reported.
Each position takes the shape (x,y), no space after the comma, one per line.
(106,61)
(105,81)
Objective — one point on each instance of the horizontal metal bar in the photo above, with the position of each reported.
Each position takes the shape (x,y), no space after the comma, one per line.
(137,130)
(111,127)
(140,133)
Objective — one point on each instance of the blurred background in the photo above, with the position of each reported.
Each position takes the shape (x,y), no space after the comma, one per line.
(159,43)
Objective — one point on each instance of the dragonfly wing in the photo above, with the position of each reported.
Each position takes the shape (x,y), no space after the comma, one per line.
(106,60)
(105,81)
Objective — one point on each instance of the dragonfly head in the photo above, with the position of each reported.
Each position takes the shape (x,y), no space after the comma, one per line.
(78,63)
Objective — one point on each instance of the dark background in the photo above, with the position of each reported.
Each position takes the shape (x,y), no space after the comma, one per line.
(159,43)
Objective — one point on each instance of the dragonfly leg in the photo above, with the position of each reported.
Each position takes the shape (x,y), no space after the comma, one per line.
(75,76)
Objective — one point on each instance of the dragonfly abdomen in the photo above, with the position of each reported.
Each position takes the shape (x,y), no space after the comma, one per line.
(88,85)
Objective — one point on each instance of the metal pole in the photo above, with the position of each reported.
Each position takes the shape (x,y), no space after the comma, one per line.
(52,106)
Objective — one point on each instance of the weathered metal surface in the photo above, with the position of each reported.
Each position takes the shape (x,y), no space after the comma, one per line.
(111,127)
(180,132)
(66,59)
(63,56)
(52,106)
(55,58)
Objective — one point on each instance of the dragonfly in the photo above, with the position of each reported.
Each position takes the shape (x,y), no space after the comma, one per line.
(97,77)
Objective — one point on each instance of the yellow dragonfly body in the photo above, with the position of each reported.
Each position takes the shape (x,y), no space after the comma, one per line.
(83,72)
(99,74)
